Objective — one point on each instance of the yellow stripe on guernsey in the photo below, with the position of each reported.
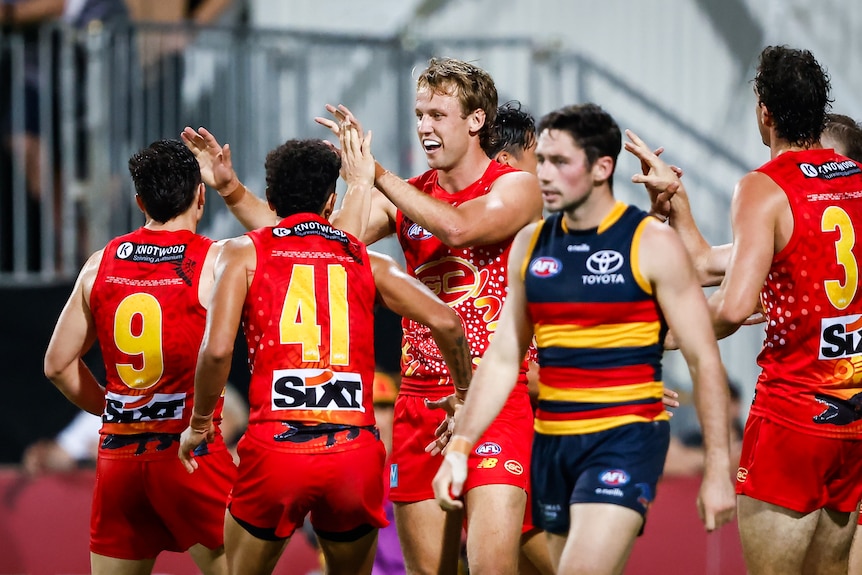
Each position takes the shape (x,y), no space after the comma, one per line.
(635,334)
(582,426)
(635,254)
(603,395)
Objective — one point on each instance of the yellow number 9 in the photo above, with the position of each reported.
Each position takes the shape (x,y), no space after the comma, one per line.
(146,343)
(840,294)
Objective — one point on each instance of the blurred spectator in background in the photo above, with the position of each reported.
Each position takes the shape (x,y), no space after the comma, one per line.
(162,56)
(77,445)
(685,453)
(389,559)
(20,139)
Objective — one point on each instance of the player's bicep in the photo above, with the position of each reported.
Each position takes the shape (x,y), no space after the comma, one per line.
(514,201)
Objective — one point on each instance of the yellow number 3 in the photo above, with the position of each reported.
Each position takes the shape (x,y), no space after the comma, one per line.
(840,294)
(145,342)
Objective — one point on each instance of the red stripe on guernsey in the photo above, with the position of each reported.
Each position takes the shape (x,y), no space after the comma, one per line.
(595,313)
(645,410)
(575,378)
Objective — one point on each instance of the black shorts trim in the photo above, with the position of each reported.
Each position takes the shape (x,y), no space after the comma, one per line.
(265,533)
(346,536)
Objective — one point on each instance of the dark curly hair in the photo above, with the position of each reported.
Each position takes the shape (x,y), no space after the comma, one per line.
(795,89)
(166,176)
(593,130)
(514,131)
(300,176)
(472,85)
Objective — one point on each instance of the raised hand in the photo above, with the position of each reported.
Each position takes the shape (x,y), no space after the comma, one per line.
(660,179)
(341,113)
(214,159)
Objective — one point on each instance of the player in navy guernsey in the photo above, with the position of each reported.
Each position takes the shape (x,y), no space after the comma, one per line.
(598,283)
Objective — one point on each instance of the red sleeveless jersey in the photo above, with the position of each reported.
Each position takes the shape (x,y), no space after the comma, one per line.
(308,321)
(150,324)
(811,360)
(470,280)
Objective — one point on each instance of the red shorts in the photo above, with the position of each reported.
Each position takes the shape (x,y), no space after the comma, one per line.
(501,456)
(342,490)
(143,507)
(799,471)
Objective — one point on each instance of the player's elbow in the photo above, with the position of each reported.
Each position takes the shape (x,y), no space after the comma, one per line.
(216,352)
(457,236)
(730,315)
(445,323)
(54,368)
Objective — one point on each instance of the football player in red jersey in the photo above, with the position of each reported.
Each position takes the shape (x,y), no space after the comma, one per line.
(144,298)
(305,293)
(455,224)
(794,220)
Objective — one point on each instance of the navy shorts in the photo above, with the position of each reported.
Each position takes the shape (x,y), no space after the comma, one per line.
(620,466)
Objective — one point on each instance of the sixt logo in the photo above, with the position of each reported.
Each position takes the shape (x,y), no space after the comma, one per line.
(135,408)
(840,337)
(316,389)
(614,477)
(545,267)
(488,448)
(417,232)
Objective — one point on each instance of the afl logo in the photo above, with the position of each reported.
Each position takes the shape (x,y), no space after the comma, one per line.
(605,262)
(614,477)
(488,448)
(125,250)
(417,232)
(545,267)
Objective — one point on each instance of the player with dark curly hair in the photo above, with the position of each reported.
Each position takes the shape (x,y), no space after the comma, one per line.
(795,222)
(305,293)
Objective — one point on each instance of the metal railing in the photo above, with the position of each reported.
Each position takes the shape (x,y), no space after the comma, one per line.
(82,101)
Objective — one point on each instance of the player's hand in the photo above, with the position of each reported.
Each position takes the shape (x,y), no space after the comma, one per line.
(340,113)
(661,180)
(669,398)
(357,163)
(716,501)
(450,404)
(216,167)
(194,435)
(449,481)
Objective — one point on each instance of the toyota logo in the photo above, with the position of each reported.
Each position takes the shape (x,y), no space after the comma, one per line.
(605,262)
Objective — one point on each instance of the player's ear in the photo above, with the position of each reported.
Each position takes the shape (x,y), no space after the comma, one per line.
(140,203)
(503,158)
(329,207)
(476,119)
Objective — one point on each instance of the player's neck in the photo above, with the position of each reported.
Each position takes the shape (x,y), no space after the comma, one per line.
(779,146)
(184,222)
(592,211)
(467,171)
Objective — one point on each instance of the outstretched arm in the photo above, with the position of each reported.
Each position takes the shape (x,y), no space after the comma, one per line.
(513,202)
(493,381)
(73,336)
(756,210)
(218,173)
(665,265)
(409,297)
(233,268)
(668,194)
